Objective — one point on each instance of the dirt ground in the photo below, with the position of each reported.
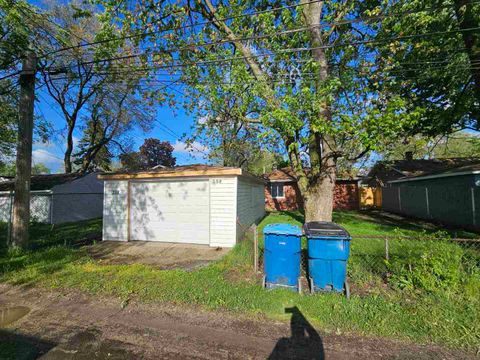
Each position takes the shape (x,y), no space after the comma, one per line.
(157,254)
(71,325)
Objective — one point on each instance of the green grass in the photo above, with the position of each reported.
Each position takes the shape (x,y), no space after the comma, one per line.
(67,234)
(448,318)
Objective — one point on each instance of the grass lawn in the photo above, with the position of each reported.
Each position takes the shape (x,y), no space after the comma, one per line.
(437,300)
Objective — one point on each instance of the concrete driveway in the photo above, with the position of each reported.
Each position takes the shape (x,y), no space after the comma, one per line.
(159,254)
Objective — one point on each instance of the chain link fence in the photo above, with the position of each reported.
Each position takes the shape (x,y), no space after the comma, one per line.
(378,261)
(47,208)
(40,212)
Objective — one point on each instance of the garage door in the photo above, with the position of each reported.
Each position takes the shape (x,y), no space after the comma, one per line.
(170,211)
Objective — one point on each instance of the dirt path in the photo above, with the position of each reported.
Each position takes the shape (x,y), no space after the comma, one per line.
(69,325)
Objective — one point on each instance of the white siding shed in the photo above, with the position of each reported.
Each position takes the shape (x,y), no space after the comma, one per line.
(190,204)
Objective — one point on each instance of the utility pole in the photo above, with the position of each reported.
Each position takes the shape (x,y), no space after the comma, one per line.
(21,202)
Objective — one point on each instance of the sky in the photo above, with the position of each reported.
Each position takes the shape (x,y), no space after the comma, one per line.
(51,153)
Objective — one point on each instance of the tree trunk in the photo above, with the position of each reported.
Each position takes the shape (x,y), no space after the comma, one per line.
(320,180)
(318,200)
(67,159)
(21,205)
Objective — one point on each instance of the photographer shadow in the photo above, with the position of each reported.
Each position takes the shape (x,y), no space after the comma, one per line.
(305,342)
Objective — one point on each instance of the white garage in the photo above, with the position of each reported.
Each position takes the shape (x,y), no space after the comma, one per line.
(194,204)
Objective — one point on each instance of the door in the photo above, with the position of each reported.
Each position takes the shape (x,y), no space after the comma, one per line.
(170,211)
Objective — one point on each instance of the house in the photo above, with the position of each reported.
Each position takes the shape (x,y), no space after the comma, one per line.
(384,171)
(449,196)
(282,193)
(57,198)
(198,204)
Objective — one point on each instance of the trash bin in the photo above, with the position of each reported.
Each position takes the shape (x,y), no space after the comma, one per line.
(282,256)
(328,252)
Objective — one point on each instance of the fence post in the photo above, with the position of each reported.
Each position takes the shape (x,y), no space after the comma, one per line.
(255,248)
(387,256)
(399,200)
(9,224)
(474,215)
(428,203)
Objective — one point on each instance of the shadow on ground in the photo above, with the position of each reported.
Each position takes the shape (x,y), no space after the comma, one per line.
(22,347)
(88,344)
(305,342)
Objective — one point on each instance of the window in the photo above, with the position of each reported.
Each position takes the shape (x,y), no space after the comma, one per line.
(276,189)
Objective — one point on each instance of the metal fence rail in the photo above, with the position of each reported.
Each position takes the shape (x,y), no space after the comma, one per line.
(372,254)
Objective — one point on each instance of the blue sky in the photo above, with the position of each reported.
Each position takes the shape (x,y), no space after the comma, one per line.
(51,153)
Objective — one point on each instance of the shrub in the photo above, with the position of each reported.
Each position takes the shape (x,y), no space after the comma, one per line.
(429,264)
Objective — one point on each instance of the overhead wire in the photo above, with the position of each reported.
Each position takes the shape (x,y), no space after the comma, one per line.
(268,54)
(322,25)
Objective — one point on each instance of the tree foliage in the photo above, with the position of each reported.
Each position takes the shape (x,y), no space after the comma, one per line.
(457,145)
(435,62)
(153,152)
(40,169)
(308,88)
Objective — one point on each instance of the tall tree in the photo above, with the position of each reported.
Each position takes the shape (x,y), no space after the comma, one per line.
(306,79)
(95,91)
(153,152)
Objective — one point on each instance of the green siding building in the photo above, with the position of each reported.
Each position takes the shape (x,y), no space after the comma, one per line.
(450,197)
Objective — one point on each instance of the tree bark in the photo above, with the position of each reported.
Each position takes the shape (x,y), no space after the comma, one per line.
(318,194)
(21,205)
(67,159)
(318,199)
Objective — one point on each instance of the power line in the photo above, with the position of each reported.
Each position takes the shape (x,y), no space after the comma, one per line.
(281,51)
(184,26)
(323,25)
(303,75)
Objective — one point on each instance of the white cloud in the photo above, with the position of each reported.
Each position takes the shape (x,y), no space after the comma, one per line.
(185,154)
(44,145)
(53,161)
(194,148)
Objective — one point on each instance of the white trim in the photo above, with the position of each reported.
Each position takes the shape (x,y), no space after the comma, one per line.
(34,192)
(294,181)
(280,181)
(283,190)
(472,172)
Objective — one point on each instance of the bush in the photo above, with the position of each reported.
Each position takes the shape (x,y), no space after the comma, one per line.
(429,264)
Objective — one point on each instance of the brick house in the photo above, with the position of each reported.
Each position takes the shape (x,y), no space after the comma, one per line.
(281,192)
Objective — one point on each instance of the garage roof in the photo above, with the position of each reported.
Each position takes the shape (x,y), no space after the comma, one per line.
(459,171)
(197,170)
(42,182)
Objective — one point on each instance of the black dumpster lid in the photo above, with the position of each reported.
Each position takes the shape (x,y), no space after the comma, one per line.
(325,228)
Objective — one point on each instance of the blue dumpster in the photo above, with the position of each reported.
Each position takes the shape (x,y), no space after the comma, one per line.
(328,252)
(282,256)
